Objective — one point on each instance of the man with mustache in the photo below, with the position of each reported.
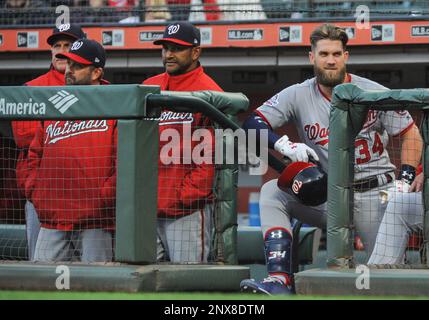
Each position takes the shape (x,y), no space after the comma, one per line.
(185,188)
(72,172)
(60,41)
(307,105)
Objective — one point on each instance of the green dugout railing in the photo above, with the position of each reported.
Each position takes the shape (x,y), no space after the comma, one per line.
(136,108)
(350,107)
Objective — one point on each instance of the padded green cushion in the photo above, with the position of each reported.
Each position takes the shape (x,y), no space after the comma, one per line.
(251,245)
(13,242)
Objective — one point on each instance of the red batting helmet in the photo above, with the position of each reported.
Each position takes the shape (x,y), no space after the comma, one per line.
(306,181)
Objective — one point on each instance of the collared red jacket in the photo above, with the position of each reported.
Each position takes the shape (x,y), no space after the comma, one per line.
(71,176)
(184,187)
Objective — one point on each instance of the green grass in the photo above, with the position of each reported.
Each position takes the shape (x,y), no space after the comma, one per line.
(67,295)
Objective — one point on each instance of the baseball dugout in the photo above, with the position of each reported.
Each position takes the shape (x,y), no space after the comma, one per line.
(136,154)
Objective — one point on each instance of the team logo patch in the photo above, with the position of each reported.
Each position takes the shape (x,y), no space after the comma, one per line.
(371,119)
(173,29)
(170,117)
(296,186)
(63,130)
(64,27)
(76,45)
(317,133)
(273,101)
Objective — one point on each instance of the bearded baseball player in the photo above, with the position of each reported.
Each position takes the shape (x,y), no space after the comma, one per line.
(60,41)
(72,167)
(308,106)
(185,196)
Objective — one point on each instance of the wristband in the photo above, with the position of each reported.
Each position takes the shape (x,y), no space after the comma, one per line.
(408,173)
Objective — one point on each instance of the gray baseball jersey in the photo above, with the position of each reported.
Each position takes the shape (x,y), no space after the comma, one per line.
(305,105)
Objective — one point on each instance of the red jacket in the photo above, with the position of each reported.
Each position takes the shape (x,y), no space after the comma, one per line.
(50,79)
(183,188)
(72,174)
(24,131)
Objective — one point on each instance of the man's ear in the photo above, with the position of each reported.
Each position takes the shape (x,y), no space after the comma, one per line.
(346,56)
(196,53)
(311,56)
(96,74)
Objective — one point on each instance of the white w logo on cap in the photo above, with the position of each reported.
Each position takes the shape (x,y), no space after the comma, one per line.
(173,28)
(76,45)
(64,27)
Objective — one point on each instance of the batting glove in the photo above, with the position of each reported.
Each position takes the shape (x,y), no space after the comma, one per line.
(294,151)
(398,186)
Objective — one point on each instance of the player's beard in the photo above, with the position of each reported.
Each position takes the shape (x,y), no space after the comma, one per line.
(180,67)
(329,79)
(71,80)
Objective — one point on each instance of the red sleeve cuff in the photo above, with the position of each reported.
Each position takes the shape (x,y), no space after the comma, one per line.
(419,169)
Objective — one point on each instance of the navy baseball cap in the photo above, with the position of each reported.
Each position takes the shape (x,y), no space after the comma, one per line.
(183,33)
(66,30)
(85,51)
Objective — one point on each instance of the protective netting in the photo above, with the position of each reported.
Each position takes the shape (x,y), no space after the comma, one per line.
(186,201)
(388,218)
(38,12)
(58,190)
(60,180)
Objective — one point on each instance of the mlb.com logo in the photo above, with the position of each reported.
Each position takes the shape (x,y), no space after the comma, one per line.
(63,100)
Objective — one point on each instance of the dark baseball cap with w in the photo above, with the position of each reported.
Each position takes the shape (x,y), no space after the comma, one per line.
(86,51)
(183,33)
(67,30)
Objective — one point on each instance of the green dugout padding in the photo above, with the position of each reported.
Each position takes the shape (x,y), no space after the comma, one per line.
(13,242)
(347,282)
(75,102)
(251,245)
(137,152)
(118,277)
(350,107)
